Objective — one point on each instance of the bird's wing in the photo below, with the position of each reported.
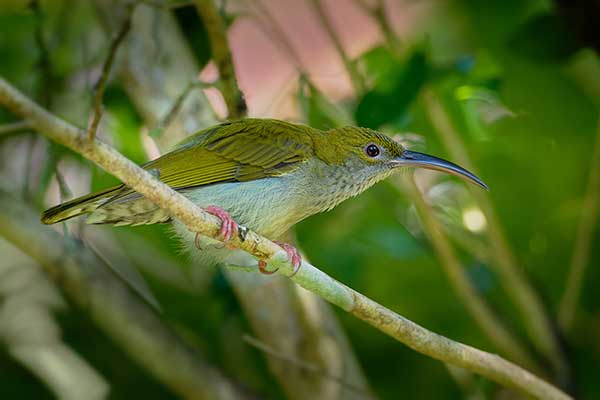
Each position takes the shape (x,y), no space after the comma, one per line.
(230,152)
(235,152)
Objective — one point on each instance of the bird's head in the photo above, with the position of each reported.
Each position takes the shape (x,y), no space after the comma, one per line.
(369,156)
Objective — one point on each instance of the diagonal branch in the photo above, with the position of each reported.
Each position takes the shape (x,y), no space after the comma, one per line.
(309,277)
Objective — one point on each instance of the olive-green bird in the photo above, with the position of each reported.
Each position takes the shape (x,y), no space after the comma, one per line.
(265,174)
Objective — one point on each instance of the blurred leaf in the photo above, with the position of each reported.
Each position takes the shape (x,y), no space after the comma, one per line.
(395,90)
(544,38)
(318,111)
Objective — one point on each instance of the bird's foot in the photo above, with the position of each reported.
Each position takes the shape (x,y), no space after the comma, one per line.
(229,228)
(293,256)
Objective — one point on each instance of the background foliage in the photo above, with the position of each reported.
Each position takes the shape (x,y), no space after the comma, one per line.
(514,79)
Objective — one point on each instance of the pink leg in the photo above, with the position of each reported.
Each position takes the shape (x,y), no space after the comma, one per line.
(229,228)
(293,255)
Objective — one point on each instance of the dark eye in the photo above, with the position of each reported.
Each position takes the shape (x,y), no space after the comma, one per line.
(372,150)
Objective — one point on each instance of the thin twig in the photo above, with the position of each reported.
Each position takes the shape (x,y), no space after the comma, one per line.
(581,252)
(309,277)
(353,73)
(171,114)
(100,85)
(219,48)
(304,365)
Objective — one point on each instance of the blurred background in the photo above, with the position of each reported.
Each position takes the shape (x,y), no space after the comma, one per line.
(508,89)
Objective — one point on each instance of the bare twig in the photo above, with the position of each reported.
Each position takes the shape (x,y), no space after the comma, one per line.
(353,73)
(304,365)
(309,277)
(533,314)
(219,47)
(100,85)
(581,252)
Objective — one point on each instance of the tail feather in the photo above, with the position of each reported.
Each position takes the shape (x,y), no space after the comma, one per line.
(79,206)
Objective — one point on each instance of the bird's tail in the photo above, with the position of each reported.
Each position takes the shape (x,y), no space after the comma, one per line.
(79,206)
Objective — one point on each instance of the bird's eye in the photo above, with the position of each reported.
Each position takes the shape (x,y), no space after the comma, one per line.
(372,150)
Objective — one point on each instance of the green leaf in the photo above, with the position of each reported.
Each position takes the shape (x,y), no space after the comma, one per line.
(395,90)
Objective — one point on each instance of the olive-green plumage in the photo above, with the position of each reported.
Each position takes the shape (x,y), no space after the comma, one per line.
(267,174)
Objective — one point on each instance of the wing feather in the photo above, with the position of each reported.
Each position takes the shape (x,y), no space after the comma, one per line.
(232,152)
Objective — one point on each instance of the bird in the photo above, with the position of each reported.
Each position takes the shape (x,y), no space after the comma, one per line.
(263,174)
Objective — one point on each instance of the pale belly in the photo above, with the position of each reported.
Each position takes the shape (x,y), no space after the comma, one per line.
(267,206)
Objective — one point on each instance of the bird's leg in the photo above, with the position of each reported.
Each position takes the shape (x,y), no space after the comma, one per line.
(293,256)
(229,228)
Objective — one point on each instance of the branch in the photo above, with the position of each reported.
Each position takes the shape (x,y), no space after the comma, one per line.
(115,309)
(309,277)
(100,85)
(219,47)
(581,252)
(533,314)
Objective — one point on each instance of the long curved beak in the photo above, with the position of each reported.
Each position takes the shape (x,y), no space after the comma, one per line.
(420,160)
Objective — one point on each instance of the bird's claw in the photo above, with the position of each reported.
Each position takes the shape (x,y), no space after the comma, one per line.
(293,256)
(229,228)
